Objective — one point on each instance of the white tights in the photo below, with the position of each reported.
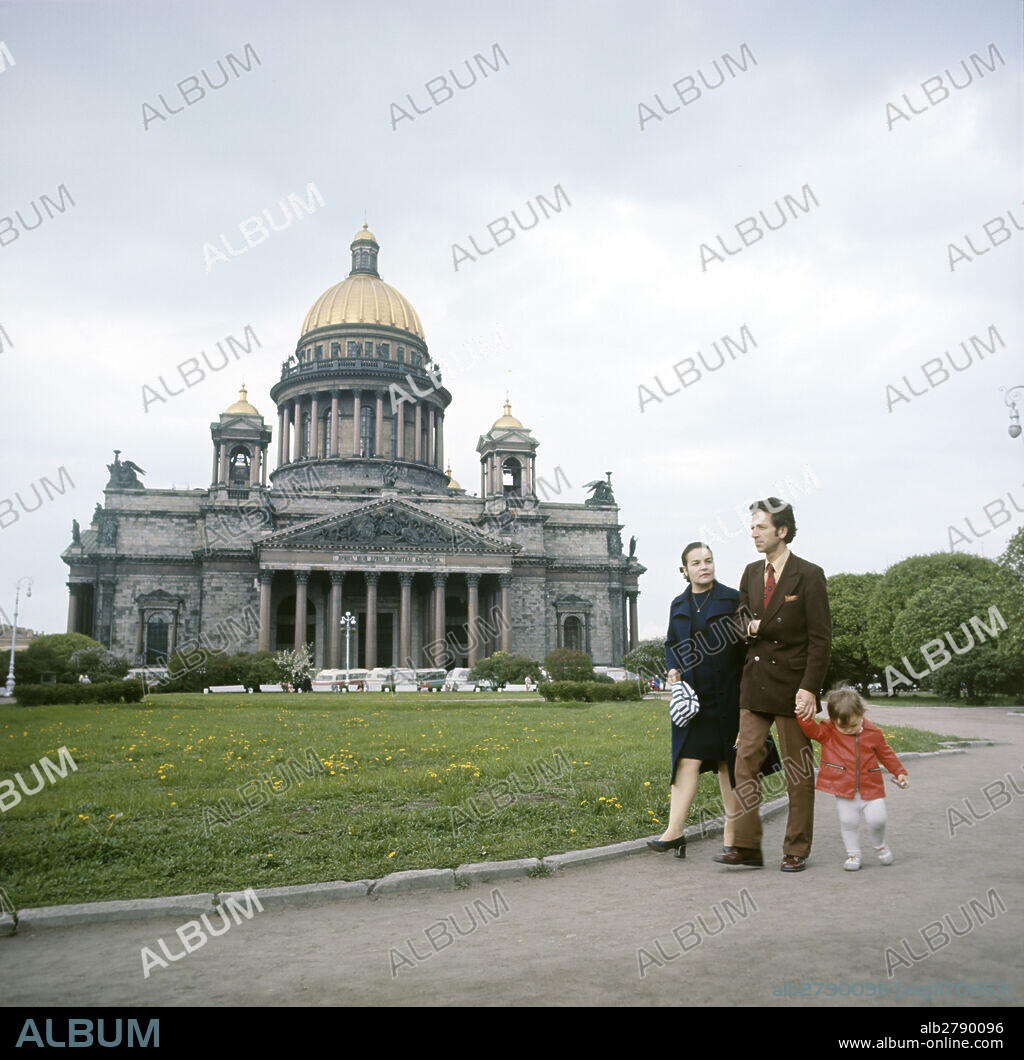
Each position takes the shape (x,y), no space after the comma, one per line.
(849,821)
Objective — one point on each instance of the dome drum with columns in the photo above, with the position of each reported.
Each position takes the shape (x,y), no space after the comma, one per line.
(361,513)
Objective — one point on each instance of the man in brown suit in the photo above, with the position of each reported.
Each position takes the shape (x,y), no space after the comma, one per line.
(784,615)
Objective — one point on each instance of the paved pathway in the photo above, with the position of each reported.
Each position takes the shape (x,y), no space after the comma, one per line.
(574,939)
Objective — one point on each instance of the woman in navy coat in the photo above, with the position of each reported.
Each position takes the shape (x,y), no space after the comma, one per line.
(705,650)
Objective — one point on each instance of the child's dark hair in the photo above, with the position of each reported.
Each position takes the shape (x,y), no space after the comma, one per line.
(845,705)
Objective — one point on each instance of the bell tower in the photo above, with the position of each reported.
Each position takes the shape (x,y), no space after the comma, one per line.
(240,441)
(508,453)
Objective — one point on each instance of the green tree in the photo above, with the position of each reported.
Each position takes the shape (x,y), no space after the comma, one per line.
(901,581)
(294,665)
(53,653)
(951,633)
(849,596)
(505,668)
(1011,566)
(564,664)
(647,659)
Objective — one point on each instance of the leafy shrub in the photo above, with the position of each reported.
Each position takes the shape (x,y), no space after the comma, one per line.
(590,691)
(101,692)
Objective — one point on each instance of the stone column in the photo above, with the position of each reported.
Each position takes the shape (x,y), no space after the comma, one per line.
(440,440)
(378,426)
(216,461)
(417,442)
(282,435)
(254,468)
(473,598)
(335,613)
(432,437)
(439,619)
(357,406)
(301,581)
(74,602)
(296,429)
(173,646)
(506,611)
(370,643)
(400,431)
(634,640)
(314,427)
(335,401)
(223,474)
(266,578)
(263,466)
(586,626)
(405,620)
(625,620)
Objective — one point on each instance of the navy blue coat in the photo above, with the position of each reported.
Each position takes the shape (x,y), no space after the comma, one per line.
(719,643)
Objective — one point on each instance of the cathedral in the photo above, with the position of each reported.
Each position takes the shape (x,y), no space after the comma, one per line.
(357,517)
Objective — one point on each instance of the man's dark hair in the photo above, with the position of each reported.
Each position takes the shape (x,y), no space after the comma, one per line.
(690,548)
(780,513)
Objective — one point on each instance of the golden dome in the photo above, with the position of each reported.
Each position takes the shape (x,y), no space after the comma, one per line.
(508,420)
(241,407)
(363,299)
(452,484)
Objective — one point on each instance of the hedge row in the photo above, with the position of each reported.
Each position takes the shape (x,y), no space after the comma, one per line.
(590,691)
(100,692)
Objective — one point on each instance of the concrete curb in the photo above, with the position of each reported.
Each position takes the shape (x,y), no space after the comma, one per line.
(485,871)
(58,916)
(414,880)
(303,895)
(397,883)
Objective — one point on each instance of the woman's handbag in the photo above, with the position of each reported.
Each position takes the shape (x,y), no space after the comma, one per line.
(683,704)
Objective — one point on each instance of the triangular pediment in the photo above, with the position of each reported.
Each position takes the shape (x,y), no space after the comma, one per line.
(387,524)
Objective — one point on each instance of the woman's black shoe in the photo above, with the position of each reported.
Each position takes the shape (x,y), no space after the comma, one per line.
(672,844)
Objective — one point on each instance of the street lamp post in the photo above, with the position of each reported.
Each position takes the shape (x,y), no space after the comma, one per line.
(1014,429)
(348,620)
(9,689)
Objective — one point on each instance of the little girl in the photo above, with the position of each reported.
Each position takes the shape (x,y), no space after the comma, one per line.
(853,751)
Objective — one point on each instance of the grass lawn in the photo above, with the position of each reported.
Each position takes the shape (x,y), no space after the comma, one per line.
(418,781)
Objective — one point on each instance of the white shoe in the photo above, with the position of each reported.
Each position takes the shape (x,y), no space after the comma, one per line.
(852,863)
(885,855)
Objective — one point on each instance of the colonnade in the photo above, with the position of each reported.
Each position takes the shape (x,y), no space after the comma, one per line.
(418,434)
(438,645)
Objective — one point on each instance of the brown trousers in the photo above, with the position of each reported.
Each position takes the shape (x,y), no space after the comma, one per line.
(798,761)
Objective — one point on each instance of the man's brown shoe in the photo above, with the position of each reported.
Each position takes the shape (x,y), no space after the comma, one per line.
(740,856)
(792,863)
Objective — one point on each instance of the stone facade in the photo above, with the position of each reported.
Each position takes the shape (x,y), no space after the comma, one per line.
(358,516)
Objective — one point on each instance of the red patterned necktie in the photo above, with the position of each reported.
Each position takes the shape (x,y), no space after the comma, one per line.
(769,585)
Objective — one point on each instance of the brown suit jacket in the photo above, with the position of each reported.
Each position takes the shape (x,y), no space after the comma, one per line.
(794,641)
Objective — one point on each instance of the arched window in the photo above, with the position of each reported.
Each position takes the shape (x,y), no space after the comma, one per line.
(572,633)
(512,477)
(367,430)
(156,640)
(238,474)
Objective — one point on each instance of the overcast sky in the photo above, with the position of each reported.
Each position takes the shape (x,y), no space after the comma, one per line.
(854,292)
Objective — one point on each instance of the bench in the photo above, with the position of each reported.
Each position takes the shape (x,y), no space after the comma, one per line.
(226,688)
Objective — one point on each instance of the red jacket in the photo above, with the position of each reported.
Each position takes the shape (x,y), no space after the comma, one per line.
(851,766)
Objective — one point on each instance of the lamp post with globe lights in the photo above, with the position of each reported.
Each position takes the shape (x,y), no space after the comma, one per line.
(1014,429)
(348,621)
(9,689)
